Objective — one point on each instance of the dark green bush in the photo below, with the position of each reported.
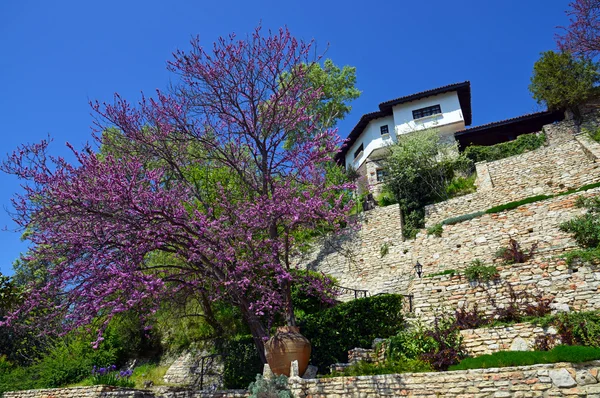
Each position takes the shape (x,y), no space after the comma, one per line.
(435,230)
(590,256)
(348,325)
(479,272)
(523,143)
(573,354)
(461,186)
(450,272)
(241,362)
(585,228)
(578,328)
(517,203)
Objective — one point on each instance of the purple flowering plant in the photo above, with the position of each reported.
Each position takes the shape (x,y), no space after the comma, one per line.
(111,377)
(203,189)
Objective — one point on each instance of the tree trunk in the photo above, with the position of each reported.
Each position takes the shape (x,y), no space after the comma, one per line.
(258,330)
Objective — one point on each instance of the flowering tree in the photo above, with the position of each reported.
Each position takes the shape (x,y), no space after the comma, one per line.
(582,36)
(197,190)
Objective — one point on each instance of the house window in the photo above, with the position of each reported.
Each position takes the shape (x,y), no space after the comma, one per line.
(358,151)
(428,111)
(384,130)
(381,174)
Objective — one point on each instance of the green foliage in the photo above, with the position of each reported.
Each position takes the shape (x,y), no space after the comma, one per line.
(410,344)
(435,230)
(585,228)
(517,203)
(386,198)
(589,256)
(388,367)
(348,325)
(275,387)
(459,186)
(522,144)
(578,328)
(384,250)
(593,134)
(464,217)
(419,169)
(241,362)
(573,354)
(449,272)
(479,272)
(152,371)
(305,302)
(562,81)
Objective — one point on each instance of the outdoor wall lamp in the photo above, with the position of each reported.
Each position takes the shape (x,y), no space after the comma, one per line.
(418,268)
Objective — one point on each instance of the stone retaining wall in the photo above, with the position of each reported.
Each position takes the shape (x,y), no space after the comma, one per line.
(517,337)
(544,171)
(356,260)
(567,288)
(556,380)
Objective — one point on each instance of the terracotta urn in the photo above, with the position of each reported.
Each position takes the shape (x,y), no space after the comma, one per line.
(286,346)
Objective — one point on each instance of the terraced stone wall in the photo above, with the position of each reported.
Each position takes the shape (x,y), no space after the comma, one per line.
(544,171)
(356,260)
(567,288)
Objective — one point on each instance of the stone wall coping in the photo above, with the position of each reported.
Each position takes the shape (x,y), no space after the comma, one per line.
(541,366)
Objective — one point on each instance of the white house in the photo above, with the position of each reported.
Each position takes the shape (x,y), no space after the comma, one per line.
(447,108)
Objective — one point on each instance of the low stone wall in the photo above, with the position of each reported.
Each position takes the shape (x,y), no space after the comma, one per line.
(556,380)
(115,392)
(81,392)
(517,337)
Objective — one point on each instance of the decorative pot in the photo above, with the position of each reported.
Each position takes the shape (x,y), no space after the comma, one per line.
(286,346)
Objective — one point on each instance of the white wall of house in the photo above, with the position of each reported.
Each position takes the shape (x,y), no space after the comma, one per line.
(371,139)
(451,114)
(401,122)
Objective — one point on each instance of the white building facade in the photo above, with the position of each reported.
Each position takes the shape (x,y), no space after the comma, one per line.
(447,108)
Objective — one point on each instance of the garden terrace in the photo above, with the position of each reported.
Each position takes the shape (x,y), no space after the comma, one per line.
(545,171)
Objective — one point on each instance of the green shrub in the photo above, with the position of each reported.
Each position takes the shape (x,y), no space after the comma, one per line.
(388,367)
(386,198)
(573,354)
(435,230)
(409,344)
(593,134)
(348,325)
(241,362)
(517,203)
(578,328)
(276,387)
(461,186)
(450,272)
(464,217)
(590,256)
(479,272)
(523,143)
(585,228)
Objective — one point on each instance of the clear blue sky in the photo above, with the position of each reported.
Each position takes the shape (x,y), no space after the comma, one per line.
(57,55)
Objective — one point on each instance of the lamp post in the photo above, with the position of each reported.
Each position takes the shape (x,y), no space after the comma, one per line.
(418,268)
